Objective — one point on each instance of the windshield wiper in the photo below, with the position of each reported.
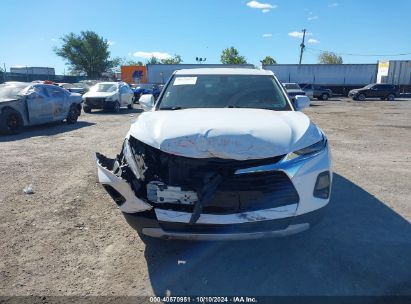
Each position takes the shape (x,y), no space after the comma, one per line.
(171,108)
(241,107)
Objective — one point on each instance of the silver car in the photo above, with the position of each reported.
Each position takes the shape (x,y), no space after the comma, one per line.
(27,104)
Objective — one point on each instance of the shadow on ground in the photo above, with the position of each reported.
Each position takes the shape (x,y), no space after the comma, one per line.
(361,247)
(46,130)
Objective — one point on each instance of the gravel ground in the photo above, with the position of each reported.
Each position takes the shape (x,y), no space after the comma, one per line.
(68,238)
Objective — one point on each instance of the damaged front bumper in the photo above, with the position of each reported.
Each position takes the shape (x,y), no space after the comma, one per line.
(255,201)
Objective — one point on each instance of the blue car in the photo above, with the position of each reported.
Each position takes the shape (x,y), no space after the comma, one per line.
(146,88)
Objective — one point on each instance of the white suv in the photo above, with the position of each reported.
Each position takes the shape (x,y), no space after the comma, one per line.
(108,96)
(222,154)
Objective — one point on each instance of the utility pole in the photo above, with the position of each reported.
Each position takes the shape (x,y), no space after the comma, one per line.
(302,45)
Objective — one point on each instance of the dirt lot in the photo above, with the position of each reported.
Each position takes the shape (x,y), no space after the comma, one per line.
(69,238)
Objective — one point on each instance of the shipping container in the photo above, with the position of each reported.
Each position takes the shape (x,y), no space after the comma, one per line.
(399,73)
(33,70)
(160,73)
(325,74)
(134,74)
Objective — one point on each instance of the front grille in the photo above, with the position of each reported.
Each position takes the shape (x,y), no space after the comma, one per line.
(236,193)
(96,102)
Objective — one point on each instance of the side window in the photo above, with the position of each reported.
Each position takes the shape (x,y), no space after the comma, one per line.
(55,92)
(40,90)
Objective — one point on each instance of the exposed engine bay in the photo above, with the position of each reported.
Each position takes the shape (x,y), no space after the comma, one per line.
(194,185)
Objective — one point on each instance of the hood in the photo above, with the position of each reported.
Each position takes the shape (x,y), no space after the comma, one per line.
(4,100)
(238,134)
(99,94)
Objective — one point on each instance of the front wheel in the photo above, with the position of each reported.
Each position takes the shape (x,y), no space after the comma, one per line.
(324,96)
(361,97)
(11,122)
(116,107)
(73,114)
(391,97)
(86,109)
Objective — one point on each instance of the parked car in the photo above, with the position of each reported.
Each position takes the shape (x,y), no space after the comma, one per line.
(146,88)
(108,96)
(75,87)
(316,91)
(374,90)
(27,104)
(222,154)
(293,89)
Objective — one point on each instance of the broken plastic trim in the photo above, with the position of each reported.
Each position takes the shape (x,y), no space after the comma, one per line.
(106,170)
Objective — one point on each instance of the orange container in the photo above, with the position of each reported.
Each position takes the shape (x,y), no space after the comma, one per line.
(134,74)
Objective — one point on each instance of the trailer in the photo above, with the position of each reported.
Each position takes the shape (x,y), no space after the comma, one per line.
(160,73)
(340,78)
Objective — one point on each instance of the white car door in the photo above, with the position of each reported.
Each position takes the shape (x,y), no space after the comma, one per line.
(126,95)
(309,91)
(130,94)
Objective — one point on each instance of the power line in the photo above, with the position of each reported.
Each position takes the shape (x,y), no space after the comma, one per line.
(362,55)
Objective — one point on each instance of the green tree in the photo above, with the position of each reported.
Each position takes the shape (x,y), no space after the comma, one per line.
(268,60)
(153,60)
(173,60)
(231,56)
(87,53)
(329,58)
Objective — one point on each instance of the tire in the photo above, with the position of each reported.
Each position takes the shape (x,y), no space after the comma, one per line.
(131,105)
(137,98)
(391,97)
(73,114)
(86,109)
(116,107)
(11,121)
(361,97)
(325,96)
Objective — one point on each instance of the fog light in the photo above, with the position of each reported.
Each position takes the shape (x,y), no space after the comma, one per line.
(322,185)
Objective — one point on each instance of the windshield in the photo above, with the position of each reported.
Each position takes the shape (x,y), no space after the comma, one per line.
(222,91)
(12,90)
(368,86)
(104,87)
(292,86)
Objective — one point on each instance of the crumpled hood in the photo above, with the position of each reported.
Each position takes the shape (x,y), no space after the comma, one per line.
(99,94)
(226,133)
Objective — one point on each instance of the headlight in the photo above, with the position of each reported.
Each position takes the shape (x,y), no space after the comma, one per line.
(310,150)
(128,155)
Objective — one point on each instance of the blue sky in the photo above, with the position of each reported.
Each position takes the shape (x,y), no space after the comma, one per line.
(190,28)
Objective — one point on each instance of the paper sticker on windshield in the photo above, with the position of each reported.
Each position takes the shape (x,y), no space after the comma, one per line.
(185,80)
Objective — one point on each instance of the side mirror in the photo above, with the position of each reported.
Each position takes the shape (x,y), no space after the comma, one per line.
(146,101)
(301,102)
